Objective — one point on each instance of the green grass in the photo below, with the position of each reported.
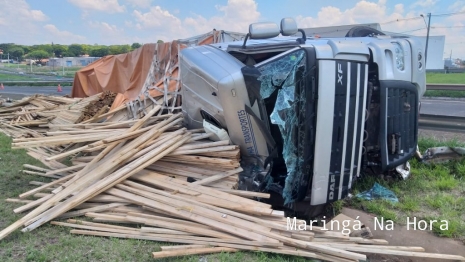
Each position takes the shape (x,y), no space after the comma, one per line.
(41,70)
(55,243)
(440,78)
(15,77)
(444,93)
(432,192)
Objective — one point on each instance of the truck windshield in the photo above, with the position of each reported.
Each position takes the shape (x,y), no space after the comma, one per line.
(282,87)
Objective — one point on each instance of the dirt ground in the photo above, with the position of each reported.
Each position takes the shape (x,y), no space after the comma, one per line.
(400,236)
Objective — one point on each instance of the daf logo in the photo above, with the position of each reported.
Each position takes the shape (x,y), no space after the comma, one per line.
(331,187)
(339,73)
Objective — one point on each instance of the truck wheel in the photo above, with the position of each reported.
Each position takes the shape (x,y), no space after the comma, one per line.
(362,31)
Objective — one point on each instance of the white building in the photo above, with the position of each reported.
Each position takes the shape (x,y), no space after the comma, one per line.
(71,61)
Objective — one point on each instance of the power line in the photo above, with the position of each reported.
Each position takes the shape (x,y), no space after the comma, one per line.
(432,27)
(401,19)
(449,14)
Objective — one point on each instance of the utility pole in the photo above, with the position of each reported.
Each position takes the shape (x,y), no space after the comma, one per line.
(427,38)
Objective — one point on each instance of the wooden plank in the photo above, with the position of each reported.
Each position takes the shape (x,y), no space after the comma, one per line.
(217,177)
(157,180)
(192,251)
(110,180)
(185,212)
(82,212)
(180,247)
(242,247)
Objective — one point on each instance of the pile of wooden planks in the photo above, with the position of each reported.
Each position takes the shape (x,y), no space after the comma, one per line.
(38,110)
(98,107)
(152,179)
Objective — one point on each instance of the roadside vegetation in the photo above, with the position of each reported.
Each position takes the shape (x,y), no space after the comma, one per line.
(441,78)
(39,70)
(16,77)
(432,192)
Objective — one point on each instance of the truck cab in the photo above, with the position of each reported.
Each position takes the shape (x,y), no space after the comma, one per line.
(314,114)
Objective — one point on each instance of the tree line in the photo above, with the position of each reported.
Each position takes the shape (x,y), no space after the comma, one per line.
(39,52)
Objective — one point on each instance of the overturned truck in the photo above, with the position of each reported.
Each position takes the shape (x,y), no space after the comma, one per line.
(310,115)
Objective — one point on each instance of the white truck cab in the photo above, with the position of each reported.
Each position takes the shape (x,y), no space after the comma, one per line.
(314,113)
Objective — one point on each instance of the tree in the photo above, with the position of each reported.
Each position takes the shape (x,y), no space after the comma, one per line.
(135,46)
(160,42)
(16,52)
(114,49)
(75,50)
(125,49)
(100,51)
(59,50)
(39,55)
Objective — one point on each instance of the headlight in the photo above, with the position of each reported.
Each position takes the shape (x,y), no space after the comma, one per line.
(420,65)
(399,53)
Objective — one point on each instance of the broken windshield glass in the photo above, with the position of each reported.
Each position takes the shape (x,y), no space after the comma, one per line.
(284,76)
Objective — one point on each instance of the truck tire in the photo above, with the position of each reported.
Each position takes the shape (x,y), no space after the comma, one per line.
(362,31)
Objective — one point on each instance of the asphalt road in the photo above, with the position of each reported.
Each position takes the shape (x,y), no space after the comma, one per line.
(17,92)
(446,107)
(443,107)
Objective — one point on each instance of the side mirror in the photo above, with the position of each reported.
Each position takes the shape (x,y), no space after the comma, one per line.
(261,30)
(288,26)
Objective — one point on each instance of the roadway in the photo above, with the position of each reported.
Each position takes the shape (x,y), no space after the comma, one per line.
(17,92)
(446,107)
(443,107)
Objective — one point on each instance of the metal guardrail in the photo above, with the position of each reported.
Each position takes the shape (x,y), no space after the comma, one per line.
(442,123)
(453,87)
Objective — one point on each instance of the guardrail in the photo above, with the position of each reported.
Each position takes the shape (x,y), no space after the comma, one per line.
(454,87)
(442,123)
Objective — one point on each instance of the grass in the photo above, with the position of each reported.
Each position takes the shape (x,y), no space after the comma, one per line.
(13,77)
(432,192)
(41,70)
(444,93)
(55,243)
(440,78)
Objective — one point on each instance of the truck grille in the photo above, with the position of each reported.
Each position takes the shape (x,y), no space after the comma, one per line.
(399,115)
(338,162)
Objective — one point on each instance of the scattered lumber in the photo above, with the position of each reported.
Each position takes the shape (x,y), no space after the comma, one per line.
(141,175)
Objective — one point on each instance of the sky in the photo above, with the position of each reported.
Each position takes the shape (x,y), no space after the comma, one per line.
(146,21)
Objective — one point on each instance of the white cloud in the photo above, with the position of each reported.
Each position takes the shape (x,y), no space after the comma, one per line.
(236,15)
(424,3)
(19,22)
(108,6)
(393,19)
(106,28)
(62,37)
(458,6)
(109,33)
(140,3)
(156,17)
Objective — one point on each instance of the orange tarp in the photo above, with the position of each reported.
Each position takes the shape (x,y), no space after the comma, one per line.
(126,74)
